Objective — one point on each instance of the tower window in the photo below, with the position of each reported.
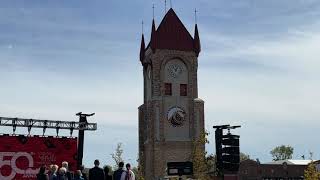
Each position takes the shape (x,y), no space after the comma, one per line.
(168,89)
(183,90)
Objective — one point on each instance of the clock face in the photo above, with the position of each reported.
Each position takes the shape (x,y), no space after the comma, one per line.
(174,70)
(176,116)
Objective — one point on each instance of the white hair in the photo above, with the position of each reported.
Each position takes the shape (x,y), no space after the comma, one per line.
(63,170)
(65,164)
(54,168)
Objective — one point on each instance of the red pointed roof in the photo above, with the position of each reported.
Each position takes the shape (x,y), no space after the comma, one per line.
(172,34)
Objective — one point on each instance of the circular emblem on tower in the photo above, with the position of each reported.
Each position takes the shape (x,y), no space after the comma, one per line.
(176,116)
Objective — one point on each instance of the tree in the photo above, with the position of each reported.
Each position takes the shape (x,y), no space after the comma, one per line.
(311,172)
(211,163)
(244,156)
(200,167)
(138,171)
(117,155)
(282,152)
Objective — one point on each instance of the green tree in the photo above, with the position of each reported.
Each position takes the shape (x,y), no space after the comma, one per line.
(282,152)
(311,172)
(244,156)
(138,171)
(117,155)
(211,163)
(200,166)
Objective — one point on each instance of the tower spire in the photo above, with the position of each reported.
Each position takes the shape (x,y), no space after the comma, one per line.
(142,27)
(165,6)
(153,36)
(142,49)
(196,41)
(142,46)
(195,16)
(152,11)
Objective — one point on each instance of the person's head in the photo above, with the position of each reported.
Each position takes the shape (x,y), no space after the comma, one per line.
(62,171)
(121,164)
(106,169)
(54,168)
(82,167)
(49,168)
(128,166)
(78,173)
(96,162)
(42,169)
(64,164)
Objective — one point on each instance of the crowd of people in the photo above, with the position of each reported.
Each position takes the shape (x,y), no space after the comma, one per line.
(95,173)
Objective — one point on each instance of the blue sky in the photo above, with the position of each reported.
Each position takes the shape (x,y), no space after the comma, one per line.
(259,68)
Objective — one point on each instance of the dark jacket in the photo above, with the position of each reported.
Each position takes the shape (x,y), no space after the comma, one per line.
(84,175)
(69,175)
(42,177)
(78,178)
(117,174)
(108,177)
(53,177)
(62,177)
(96,173)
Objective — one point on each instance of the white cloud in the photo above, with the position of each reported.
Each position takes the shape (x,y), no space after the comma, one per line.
(294,51)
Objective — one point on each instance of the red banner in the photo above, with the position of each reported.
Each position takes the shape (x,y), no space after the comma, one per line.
(22,156)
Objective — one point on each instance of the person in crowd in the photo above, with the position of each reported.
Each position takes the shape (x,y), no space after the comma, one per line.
(128,174)
(78,175)
(106,170)
(68,174)
(53,172)
(84,175)
(62,175)
(42,175)
(49,172)
(96,173)
(117,174)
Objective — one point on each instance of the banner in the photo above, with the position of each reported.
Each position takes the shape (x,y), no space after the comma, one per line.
(22,156)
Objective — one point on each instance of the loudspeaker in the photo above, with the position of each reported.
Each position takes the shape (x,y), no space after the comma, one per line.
(22,139)
(49,143)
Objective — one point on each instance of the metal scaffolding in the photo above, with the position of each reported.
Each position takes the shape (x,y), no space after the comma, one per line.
(81,126)
(45,124)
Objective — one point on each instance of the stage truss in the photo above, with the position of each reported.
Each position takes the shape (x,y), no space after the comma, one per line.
(46,124)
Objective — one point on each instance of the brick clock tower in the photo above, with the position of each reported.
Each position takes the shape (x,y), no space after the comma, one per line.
(172,115)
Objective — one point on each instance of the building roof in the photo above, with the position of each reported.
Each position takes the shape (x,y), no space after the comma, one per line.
(291,162)
(172,34)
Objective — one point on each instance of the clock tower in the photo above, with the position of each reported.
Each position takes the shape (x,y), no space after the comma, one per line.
(171,117)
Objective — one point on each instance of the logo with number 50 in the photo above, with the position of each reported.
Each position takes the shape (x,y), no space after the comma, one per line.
(13,164)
